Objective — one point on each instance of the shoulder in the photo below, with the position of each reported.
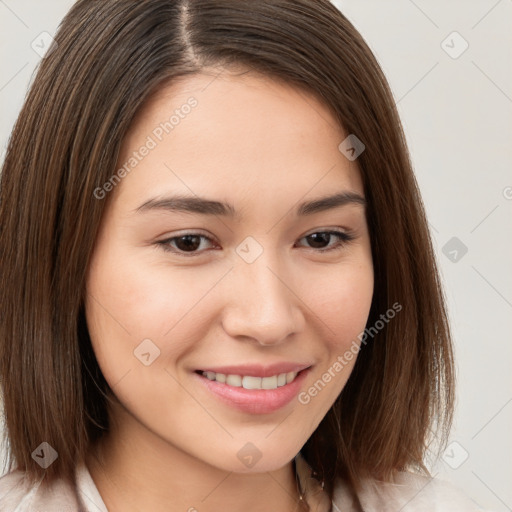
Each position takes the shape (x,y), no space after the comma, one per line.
(409,492)
(17,495)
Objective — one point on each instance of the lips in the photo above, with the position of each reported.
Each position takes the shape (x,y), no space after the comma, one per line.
(254,400)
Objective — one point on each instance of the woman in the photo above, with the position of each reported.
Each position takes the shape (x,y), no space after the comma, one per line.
(220,290)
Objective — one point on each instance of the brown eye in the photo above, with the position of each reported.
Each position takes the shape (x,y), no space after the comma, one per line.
(189,244)
(327,240)
(319,240)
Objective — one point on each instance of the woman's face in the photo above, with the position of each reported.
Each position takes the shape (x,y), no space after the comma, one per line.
(221,252)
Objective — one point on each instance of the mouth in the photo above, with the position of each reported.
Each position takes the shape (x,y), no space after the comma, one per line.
(253,394)
(250,381)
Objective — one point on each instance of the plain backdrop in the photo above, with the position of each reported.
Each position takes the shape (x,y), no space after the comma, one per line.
(449,66)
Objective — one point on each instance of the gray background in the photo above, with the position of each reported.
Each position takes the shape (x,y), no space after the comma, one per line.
(456,109)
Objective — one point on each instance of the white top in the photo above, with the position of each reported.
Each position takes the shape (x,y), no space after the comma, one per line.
(409,493)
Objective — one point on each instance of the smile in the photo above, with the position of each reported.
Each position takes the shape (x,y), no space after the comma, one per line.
(251,394)
(250,382)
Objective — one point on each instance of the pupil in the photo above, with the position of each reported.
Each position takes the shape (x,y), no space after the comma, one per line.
(318,240)
(188,242)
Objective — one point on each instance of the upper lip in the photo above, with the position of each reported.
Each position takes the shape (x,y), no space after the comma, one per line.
(257,370)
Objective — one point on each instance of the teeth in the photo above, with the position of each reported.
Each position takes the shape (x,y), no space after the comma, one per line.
(269,382)
(249,382)
(233,380)
(219,377)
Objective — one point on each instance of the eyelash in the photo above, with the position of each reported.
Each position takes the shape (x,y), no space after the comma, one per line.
(343,237)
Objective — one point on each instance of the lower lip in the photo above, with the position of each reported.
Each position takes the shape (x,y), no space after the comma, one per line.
(255,401)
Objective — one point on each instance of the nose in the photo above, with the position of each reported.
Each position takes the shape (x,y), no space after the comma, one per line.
(261,302)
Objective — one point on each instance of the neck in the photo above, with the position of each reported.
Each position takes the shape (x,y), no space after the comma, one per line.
(134,470)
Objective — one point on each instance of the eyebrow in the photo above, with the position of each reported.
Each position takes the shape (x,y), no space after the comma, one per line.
(205,206)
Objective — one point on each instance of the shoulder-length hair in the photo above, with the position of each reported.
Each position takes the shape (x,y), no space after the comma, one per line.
(109,57)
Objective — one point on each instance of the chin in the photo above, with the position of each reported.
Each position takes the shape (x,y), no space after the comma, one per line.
(257,457)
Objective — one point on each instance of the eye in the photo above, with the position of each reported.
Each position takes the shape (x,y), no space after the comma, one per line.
(325,241)
(188,244)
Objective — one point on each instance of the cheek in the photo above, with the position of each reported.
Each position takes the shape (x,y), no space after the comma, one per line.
(131,300)
(342,301)
(144,298)
(341,305)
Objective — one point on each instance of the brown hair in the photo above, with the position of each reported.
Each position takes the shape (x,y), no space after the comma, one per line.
(110,57)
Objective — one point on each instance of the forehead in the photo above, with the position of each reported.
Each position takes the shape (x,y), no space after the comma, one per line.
(240,135)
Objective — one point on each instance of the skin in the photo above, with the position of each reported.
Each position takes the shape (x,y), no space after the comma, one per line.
(264,147)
